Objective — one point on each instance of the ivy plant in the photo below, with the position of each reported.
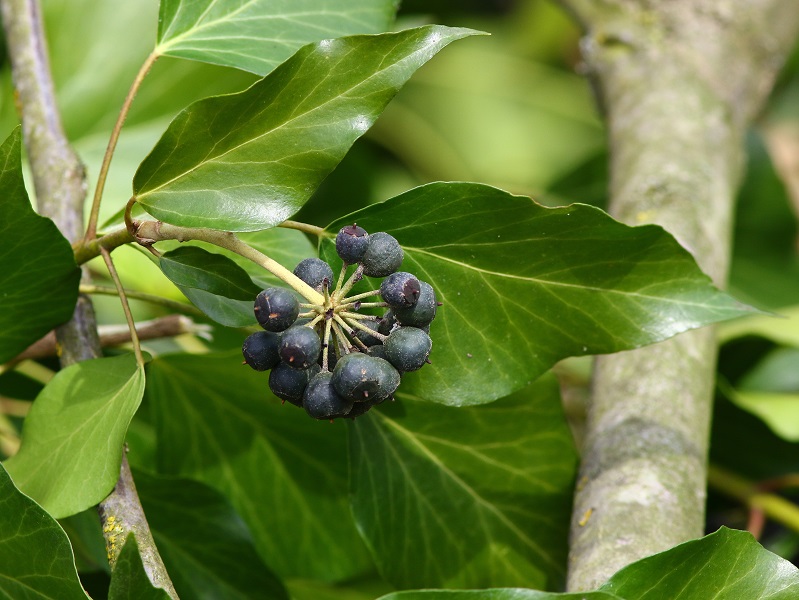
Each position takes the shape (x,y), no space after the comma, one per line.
(460,476)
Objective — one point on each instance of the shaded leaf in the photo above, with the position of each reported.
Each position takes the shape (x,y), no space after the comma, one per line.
(283,472)
(72,438)
(35,556)
(496,594)
(470,497)
(524,286)
(257,35)
(248,161)
(38,275)
(725,565)
(129,581)
(205,546)
(214,284)
(192,267)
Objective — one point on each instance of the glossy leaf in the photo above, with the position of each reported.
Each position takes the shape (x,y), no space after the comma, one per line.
(257,35)
(214,284)
(495,594)
(248,161)
(73,436)
(35,556)
(524,286)
(206,547)
(283,472)
(38,275)
(469,497)
(129,581)
(725,565)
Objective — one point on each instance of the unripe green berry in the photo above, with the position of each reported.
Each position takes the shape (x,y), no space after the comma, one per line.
(407,348)
(383,255)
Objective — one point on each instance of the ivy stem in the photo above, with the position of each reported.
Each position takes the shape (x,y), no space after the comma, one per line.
(358,316)
(354,278)
(362,327)
(352,299)
(773,506)
(326,343)
(94,215)
(134,336)
(341,338)
(181,307)
(305,227)
(313,323)
(363,305)
(149,232)
(340,280)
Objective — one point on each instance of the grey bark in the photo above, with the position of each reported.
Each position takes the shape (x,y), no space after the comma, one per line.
(60,184)
(680,81)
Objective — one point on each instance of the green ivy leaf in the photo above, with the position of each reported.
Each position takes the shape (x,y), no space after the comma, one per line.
(725,565)
(38,275)
(72,438)
(495,594)
(192,267)
(129,580)
(26,571)
(248,161)
(524,286)
(257,35)
(283,472)
(469,497)
(213,283)
(205,546)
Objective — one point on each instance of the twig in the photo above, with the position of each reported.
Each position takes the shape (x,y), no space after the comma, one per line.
(304,227)
(125,306)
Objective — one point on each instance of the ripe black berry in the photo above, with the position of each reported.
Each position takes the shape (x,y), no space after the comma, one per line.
(289,384)
(407,348)
(260,350)
(383,255)
(423,312)
(314,272)
(276,309)
(364,378)
(351,243)
(400,289)
(322,401)
(387,323)
(300,346)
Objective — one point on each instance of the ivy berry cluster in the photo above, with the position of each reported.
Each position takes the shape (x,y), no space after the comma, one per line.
(330,358)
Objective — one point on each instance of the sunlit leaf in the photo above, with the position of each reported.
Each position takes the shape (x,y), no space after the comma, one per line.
(38,275)
(73,436)
(248,161)
(35,556)
(725,565)
(495,594)
(468,497)
(257,35)
(524,286)
(283,472)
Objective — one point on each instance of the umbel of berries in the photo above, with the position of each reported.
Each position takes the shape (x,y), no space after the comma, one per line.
(327,356)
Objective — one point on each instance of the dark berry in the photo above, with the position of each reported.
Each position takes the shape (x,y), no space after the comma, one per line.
(407,348)
(423,312)
(314,272)
(366,338)
(322,401)
(276,309)
(387,323)
(351,243)
(289,384)
(400,289)
(383,255)
(364,378)
(378,351)
(300,346)
(260,350)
